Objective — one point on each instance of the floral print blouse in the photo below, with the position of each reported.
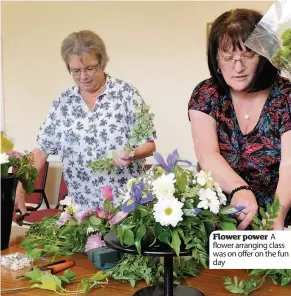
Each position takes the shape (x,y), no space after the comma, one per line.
(79,135)
(255,156)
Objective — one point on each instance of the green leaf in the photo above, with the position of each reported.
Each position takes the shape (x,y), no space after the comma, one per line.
(227,226)
(64,279)
(128,237)
(95,221)
(34,275)
(138,236)
(181,181)
(99,276)
(69,274)
(46,284)
(34,253)
(85,286)
(176,242)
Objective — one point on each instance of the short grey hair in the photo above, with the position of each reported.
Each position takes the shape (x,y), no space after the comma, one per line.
(82,42)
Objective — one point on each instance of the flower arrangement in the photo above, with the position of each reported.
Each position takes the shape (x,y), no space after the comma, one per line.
(142,129)
(74,230)
(176,206)
(21,164)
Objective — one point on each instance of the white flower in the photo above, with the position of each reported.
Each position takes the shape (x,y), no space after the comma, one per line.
(71,207)
(222,197)
(168,212)
(209,200)
(183,199)
(163,187)
(4,158)
(204,178)
(130,182)
(90,230)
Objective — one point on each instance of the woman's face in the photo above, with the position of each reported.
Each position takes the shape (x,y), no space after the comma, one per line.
(86,71)
(238,67)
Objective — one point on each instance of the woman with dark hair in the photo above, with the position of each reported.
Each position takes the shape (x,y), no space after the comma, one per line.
(241,120)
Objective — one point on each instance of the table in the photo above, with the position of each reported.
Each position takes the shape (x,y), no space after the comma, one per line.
(210,282)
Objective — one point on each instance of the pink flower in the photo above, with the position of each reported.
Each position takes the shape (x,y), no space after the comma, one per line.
(14,153)
(107,192)
(93,242)
(65,217)
(117,218)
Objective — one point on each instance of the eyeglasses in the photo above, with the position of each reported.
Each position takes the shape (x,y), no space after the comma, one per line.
(229,61)
(90,70)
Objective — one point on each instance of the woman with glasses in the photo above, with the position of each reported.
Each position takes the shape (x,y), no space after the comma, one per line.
(90,120)
(241,120)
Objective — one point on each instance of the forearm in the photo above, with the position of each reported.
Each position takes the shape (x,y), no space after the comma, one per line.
(39,160)
(221,171)
(145,150)
(283,189)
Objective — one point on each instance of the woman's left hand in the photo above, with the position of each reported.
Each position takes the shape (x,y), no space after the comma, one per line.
(123,159)
(279,222)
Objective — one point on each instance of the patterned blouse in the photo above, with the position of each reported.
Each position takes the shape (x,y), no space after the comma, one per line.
(255,156)
(79,135)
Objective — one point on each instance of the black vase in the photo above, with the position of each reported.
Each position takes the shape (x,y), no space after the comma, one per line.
(8,189)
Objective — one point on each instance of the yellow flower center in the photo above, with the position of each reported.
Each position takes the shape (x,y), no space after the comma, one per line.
(100,215)
(168,211)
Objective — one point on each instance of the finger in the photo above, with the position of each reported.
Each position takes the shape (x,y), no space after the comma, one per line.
(241,216)
(246,221)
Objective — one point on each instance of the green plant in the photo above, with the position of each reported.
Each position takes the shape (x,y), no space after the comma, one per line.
(55,283)
(142,129)
(22,168)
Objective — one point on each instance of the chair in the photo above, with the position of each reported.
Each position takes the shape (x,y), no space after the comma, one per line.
(36,198)
(38,215)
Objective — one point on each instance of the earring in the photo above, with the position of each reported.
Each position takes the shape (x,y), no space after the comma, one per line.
(218,71)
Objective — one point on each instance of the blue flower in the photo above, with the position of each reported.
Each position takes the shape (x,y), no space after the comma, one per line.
(136,197)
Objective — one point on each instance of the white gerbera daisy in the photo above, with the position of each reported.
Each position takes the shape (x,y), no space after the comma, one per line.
(163,187)
(168,212)
(204,178)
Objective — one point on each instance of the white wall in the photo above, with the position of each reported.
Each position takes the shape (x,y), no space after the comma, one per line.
(160,47)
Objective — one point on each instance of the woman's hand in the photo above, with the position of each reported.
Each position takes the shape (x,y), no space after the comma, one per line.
(279,221)
(248,200)
(123,159)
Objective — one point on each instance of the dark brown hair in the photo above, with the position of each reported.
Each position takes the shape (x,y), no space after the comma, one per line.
(228,30)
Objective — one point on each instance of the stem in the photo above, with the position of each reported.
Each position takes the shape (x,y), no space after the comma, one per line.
(16,290)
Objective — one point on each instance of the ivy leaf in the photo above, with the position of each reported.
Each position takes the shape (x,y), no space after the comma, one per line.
(139,235)
(47,283)
(99,276)
(34,253)
(95,221)
(34,275)
(69,274)
(85,286)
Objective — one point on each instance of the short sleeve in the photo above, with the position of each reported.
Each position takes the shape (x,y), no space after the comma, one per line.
(136,102)
(285,122)
(46,138)
(204,98)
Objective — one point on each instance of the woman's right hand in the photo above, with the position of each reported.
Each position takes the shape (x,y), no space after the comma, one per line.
(247,199)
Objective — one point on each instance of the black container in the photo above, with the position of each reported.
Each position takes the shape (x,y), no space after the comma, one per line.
(8,190)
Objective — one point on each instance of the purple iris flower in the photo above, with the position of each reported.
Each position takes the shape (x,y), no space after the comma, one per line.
(136,197)
(172,160)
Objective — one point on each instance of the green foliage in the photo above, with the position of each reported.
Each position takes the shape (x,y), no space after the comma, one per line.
(47,281)
(142,130)
(242,287)
(133,268)
(23,170)
(282,57)
(46,238)
(268,216)
(278,276)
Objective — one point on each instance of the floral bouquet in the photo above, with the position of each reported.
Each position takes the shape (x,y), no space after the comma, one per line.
(17,164)
(142,129)
(175,206)
(272,36)
(74,230)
